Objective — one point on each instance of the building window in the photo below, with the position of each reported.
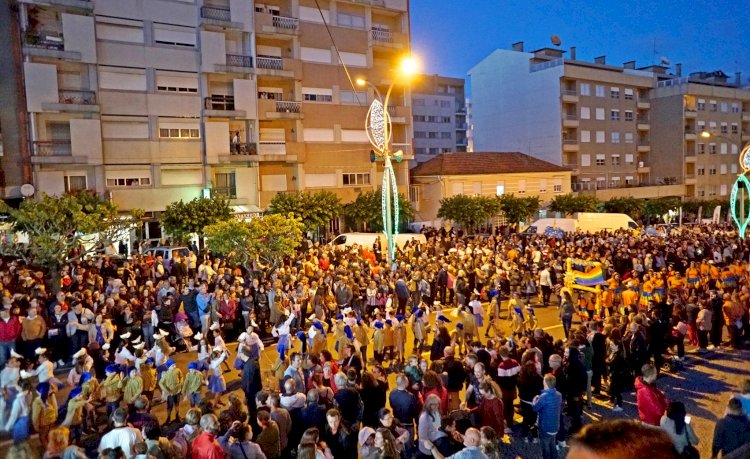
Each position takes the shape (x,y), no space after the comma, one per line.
(585,136)
(735,107)
(712,126)
(600,114)
(600,160)
(122,182)
(724,107)
(712,170)
(500,189)
(601,183)
(445,104)
(226,185)
(420,135)
(735,149)
(415,193)
(557,188)
(174,35)
(615,160)
(353,21)
(629,180)
(735,128)
(615,136)
(585,113)
(432,119)
(628,137)
(600,137)
(521,186)
(712,148)
(434,151)
(318,97)
(445,150)
(701,170)
(75,183)
(615,182)
(420,151)
(173,133)
(629,115)
(614,115)
(723,191)
(445,135)
(701,105)
(701,191)
(724,128)
(712,106)
(419,118)
(599,90)
(701,148)
(723,169)
(356,178)
(724,150)
(432,135)
(542,185)
(629,159)
(585,160)
(614,93)
(418,102)
(701,126)
(734,168)
(445,119)
(585,89)
(628,94)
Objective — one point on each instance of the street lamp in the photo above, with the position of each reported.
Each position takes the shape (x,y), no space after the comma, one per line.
(378,127)
(742,183)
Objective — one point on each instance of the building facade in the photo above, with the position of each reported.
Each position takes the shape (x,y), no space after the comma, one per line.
(483,174)
(592,117)
(703,120)
(439,116)
(151,101)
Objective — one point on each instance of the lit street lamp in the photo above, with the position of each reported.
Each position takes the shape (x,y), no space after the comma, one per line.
(378,127)
(740,185)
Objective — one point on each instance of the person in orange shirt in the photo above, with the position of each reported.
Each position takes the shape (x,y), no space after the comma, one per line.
(647,291)
(728,282)
(616,288)
(660,288)
(693,275)
(629,300)
(607,300)
(676,284)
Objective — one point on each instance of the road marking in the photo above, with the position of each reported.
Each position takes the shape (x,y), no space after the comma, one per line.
(552,327)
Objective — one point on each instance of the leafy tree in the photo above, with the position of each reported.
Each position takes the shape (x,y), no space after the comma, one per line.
(366,211)
(517,209)
(267,239)
(468,211)
(571,203)
(64,229)
(656,208)
(314,209)
(625,205)
(180,219)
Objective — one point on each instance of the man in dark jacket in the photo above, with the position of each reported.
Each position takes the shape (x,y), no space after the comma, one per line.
(575,374)
(314,414)
(190,306)
(456,374)
(732,432)
(251,383)
(599,362)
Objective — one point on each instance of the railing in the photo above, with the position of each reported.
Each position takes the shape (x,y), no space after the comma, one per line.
(672,82)
(570,116)
(70,96)
(226,191)
(384,36)
(642,120)
(461,126)
(282,22)
(44,39)
(645,99)
(238,60)
(272,147)
(244,148)
(546,65)
(270,63)
(691,110)
(218,14)
(219,102)
(569,92)
(570,142)
(689,131)
(287,106)
(52,148)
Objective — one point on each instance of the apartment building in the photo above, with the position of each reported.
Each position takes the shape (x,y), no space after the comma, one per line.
(702,121)
(592,117)
(439,115)
(152,101)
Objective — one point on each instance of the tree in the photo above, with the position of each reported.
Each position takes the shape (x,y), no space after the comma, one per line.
(625,205)
(61,230)
(468,211)
(517,209)
(366,211)
(181,219)
(314,209)
(656,208)
(267,239)
(571,203)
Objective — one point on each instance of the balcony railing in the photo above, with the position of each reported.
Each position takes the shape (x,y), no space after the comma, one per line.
(219,102)
(238,60)
(569,92)
(570,142)
(44,39)
(272,147)
(226,191)
(287,106)
(52,148)
(244,148)
(70,96)
(218,14)
(642,120)
(383,36)
(270,63)
(689,131)
(283,22)
(570,116)
(461,126)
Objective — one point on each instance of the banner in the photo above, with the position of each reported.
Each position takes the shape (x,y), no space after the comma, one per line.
(717,214)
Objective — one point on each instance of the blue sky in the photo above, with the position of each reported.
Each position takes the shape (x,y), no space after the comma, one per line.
(451,36)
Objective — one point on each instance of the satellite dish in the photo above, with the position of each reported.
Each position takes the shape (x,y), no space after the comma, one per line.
(27,190)
(665,61)
(555,40)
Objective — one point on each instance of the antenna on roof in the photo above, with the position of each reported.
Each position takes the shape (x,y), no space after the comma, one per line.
(665,61)
(555,40)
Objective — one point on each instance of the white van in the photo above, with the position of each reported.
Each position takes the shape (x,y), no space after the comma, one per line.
(569,225)
(368,239)
(595,222)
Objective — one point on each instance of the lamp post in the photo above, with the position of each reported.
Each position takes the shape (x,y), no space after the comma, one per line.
(378,127)
(740,184)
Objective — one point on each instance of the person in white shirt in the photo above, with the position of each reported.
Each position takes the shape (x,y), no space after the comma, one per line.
(545,282)
(291,398)
(122,436)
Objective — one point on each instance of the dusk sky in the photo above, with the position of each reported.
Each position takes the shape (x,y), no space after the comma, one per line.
(451,36)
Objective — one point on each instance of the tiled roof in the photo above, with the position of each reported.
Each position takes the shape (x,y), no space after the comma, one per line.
(483,163)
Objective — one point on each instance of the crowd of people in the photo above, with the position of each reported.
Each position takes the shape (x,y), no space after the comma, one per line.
(342,321)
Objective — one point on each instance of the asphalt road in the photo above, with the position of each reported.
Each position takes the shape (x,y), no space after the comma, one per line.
(705,386)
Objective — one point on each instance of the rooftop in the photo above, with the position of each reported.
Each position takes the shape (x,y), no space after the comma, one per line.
(483,163)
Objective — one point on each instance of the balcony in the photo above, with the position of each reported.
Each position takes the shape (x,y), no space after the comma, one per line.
(571,145)
(386,39)
(643,147)
(570,120)
(244,152)
(690,134)
(399,114)
(745,116)
(271,66)
(47,43)
(279,26)
(72,100)
(220,105)
(691,113)
(55,152)
(237,63)
(644,103)
(569,96)
(690,179)
(691,158)
(81,4)
(272,148)
(461,126)
(280,109)
(642,124)
(745,136)
(220,17)
(643,169)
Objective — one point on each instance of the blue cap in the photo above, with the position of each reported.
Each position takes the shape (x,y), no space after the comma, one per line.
(169,363)
(400,317)
(111,368)
(85,376)
(318,325)
(339,316)
(442,318)
(420,313)
(388,322)
(301,335)
(193,366)
(460,326)
(150,360)
(378,324)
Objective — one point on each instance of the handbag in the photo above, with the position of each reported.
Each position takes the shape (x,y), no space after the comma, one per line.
(690,451)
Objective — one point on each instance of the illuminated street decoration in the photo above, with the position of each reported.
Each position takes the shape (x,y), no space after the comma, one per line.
(736,197)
